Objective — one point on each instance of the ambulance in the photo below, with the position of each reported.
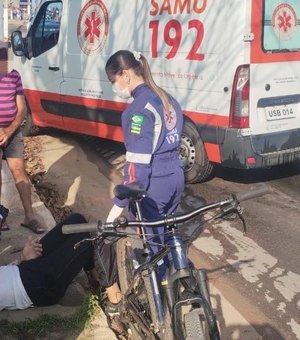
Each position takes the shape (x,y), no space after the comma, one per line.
(234,66)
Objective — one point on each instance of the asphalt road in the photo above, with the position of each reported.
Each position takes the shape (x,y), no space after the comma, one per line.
(262,267)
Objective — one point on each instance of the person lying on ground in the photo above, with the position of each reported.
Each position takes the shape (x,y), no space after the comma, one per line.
(48,265)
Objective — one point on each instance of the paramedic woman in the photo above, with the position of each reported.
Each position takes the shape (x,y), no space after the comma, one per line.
(152,126)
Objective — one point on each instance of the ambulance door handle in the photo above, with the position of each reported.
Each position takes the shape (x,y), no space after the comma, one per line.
(53,68)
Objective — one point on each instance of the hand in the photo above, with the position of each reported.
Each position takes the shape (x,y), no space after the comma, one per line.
(115,212)
(32,249)
(4,136)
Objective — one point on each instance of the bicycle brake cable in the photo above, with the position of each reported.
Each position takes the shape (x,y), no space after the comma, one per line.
(76,245)
(241,217)
(237,211)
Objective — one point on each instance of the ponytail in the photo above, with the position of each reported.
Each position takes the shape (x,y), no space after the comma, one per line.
(147,75)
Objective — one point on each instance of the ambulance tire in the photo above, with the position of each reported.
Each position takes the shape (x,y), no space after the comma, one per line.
(27,126)
(197,167)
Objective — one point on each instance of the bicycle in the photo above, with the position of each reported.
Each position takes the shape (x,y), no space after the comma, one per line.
(178,307)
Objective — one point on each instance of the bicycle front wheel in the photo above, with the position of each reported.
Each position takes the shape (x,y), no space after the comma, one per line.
(195,327)
(129,257)
(195,319)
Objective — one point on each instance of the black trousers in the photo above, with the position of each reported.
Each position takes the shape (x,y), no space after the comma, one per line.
(46,278)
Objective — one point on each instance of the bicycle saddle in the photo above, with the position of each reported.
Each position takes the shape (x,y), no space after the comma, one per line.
(132,190)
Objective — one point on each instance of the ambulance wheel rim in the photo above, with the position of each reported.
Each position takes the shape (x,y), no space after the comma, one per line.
(187,153)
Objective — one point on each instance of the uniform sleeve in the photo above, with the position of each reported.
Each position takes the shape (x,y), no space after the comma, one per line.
(138,136)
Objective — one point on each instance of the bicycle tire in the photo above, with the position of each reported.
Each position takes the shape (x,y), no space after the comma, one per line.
(129,255)
(200,322)
(195,325)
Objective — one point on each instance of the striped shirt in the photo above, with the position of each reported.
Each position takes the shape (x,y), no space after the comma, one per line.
(10,87)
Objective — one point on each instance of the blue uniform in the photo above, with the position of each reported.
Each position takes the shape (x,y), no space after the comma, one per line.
(152,139)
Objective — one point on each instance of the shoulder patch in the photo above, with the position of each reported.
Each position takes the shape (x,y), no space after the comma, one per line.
(136,123)
(137,119)
(170,119)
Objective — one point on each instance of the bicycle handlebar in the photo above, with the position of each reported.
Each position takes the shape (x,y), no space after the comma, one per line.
(257,192)
(79,228)
(109,228)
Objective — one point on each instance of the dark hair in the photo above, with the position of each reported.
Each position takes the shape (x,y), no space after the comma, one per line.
(125,60)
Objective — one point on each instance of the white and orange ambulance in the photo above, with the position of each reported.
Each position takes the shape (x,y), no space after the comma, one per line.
(234,66)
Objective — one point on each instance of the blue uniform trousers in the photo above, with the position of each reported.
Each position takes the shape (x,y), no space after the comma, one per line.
(164,195)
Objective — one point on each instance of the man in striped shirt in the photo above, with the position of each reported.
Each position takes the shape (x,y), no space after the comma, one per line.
(12,113)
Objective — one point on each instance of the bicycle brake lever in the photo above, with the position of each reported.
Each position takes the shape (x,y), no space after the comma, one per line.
(234,210)
(227,210)
(111,235)
(76,245)
(102,232)
(241,217)
(237,211)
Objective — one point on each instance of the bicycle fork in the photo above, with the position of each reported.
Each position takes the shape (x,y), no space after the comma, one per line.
(202,300)
(197,280)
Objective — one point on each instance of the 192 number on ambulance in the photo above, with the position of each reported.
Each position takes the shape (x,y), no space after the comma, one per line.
(173,36)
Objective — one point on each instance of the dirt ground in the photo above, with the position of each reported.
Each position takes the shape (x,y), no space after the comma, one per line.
(51,166)
(36,172)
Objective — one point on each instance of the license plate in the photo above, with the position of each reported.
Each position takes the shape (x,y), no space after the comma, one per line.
(280,112)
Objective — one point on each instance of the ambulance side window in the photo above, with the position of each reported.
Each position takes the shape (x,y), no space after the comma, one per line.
(281,29)
(45,31)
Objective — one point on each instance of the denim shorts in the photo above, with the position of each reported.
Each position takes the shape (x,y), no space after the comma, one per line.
(14,147)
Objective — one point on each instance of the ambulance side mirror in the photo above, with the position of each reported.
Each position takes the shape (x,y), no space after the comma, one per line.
(17,43)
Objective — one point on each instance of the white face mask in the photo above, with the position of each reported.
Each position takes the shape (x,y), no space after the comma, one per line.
(125,94)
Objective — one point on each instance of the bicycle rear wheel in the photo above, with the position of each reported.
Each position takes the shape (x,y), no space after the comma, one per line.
(129,256)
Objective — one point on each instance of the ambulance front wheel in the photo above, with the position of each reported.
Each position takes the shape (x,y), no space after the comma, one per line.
(27,126)
(197,167)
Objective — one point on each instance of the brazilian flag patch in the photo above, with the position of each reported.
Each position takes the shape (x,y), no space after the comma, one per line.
(136,123)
